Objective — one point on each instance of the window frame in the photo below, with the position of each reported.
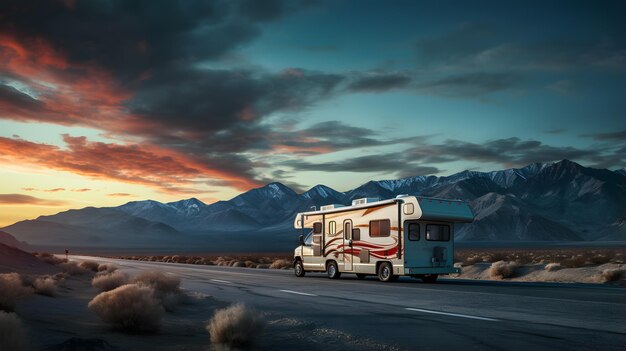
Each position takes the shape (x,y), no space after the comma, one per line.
(379,228)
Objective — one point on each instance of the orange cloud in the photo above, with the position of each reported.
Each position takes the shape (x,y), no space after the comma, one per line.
(149,165)
(81,190)
(54,190)
(120,195)
(20,199)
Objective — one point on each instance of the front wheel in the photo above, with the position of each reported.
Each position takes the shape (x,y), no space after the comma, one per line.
(298,269)
(332,270)
(385,272)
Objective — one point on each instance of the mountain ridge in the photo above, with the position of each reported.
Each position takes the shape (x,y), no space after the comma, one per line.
(557,201)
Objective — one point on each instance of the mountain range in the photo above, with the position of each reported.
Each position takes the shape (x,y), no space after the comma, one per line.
(560,201)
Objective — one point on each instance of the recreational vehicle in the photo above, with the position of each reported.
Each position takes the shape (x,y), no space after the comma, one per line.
(407,235)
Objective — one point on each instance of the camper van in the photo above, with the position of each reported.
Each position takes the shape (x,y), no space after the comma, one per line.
(407,235)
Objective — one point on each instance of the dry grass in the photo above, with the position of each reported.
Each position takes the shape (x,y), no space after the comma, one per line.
(261,261)
(50,258)
(11,291)
(107,268)
(236,326)
(130,307)
(566,257)
(551,267)
(613,275)
(90,265)
(73,268)
(108,282)
(45,286)
(12,334)
(281,264)
(159,281)
(502,269)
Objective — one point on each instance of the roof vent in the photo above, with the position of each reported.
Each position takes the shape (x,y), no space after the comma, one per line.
(364,200)
(330,207)
(401,196)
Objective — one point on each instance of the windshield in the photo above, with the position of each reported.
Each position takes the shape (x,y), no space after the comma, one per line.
(308,240)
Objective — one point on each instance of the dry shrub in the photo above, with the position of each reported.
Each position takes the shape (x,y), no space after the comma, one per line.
(45,286)
(502,269)
(239,264)
(166,288)
(72,268)
(613,274)
(263,266)
(235,326)
(280,264)
(551,267)
(107,282)
(129,307)
(12,334)
(11,290)
(472,260)
(50,258)
(107,268)
(90,265)
(159,281)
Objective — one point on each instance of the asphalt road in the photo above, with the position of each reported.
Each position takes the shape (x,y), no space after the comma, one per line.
(408,314)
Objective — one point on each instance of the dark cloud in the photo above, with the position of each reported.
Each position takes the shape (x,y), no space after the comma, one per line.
(617,136)
(469,85)
(13,101)
(389,163)
(20,199)
(379,82)
(130,37)
(424,158)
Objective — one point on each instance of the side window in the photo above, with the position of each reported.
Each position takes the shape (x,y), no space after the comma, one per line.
(437,232)
(317,228)
(414,231)
(380,228)
(332,227)
(346,230)
(356,234)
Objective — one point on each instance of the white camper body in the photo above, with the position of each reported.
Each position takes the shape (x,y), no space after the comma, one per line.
(407,235)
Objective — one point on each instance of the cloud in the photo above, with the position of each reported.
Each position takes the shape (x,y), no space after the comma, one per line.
(146,164)
(120,195)
(81,190)
(379,82)
(610,136)
(55,190)
(29,189)
(563,87)
(469,85)
(424,158)
(20,199)
(388,163)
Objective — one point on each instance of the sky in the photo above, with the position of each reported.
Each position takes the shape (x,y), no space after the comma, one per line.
(108,101)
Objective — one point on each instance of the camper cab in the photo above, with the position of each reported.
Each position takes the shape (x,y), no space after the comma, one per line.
(407,235)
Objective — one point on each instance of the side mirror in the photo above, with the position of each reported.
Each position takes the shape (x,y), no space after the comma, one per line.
(301,239)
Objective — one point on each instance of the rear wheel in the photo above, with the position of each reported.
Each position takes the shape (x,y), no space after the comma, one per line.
(298,269)
(332,270)
(385,272)
(361,276)
(430,278)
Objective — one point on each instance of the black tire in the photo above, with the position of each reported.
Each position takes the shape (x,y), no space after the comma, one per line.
(298,269)
(430,278)
(361,276)
(385,272)
(332,270)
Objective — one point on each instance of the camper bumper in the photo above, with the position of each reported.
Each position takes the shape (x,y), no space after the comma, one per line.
(431,270)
